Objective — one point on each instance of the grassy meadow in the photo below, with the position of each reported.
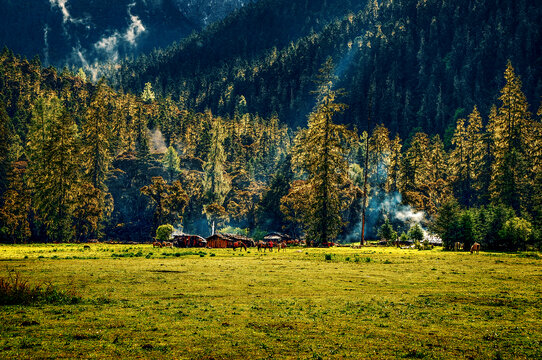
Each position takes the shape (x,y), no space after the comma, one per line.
(371,303)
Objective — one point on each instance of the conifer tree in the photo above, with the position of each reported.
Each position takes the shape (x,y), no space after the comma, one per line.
(320,151)
(395,164)
(95,138)
(414,170)
(379,154)
(216,184)
(171,161)
(466,158)
(435,188)
(96,161)
(15,211)
(512,129)
(53,167)
(5,139)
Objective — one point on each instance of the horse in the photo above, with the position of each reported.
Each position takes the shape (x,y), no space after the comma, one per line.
(264,245)
(282,245)
(239,244)
(475,247)
(458,246)
(157,244)
(168,244)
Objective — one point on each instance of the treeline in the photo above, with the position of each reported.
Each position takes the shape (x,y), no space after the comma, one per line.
(429,61)
(81,161)
(78,161)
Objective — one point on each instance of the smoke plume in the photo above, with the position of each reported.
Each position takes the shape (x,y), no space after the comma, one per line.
(158,143)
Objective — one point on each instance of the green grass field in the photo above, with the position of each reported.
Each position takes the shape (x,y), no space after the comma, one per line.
(370,303)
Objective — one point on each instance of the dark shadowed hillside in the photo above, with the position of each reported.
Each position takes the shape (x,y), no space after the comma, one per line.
(428,62)
(79,33)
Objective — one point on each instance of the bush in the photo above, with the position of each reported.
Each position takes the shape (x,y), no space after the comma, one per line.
(327,257)
(516,232)
(16,290)
(163,233)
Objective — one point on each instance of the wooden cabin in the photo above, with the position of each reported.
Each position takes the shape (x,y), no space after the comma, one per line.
(188,241)
(245,240)
(220,240)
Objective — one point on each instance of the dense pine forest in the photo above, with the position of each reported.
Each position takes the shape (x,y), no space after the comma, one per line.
(320,119)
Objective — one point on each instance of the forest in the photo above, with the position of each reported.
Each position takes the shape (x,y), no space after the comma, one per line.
(374,118)
(82,161)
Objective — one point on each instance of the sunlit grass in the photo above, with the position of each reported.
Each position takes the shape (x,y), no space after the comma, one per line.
(381,303)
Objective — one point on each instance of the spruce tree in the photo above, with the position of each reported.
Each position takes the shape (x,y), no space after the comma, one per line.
(171,162)
(216,184)
(320,151)
(53,167)
(513,128)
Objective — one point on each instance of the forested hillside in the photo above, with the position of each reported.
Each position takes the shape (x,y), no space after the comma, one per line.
(89,33)
(78,160)
(427,62)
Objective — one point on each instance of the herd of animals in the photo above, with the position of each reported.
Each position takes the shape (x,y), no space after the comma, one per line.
(262,245)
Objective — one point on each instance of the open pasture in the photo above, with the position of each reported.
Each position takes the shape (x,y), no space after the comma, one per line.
(340,303)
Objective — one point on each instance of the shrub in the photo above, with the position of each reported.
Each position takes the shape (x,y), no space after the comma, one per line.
(163,233)
(515,233)
(327,257)
(16,290)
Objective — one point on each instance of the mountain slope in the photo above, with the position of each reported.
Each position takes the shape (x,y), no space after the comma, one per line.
(428,62)
(79,33)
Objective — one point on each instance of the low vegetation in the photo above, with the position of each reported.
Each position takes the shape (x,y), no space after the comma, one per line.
(17,290)
(373,302)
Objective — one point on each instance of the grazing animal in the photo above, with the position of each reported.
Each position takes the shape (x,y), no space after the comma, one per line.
(239,244)
(458,246)
(475,248)
(86,247)
(168,244)
(157,244)
(264,245)
(282,246)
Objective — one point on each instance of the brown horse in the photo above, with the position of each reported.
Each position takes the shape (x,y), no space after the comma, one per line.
(263,245)
(168,244)
(282,246)
(157,244)
(239,244)
(475,248)
(458,246)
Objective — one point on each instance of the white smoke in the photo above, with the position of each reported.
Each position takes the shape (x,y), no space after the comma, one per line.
(66,16)
(108,46)
(387,205)
(158,143)
(61,4)
(135,28)
(46,46)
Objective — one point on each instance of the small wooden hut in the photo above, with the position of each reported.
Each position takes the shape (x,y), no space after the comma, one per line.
(188,241)
(245,240)
(220,240)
